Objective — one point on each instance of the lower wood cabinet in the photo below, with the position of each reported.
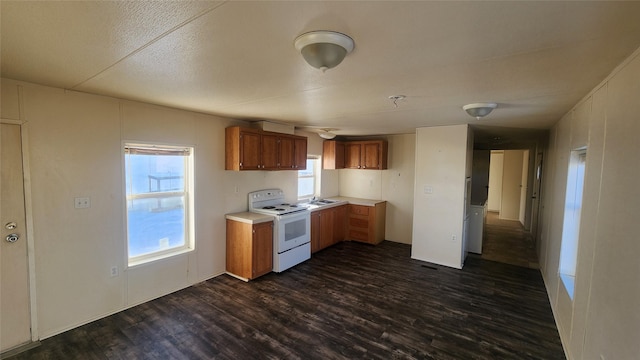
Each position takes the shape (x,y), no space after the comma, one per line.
(328,227)
(249,249)
(367,223)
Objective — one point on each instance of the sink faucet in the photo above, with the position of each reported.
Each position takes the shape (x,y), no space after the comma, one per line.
(314,198)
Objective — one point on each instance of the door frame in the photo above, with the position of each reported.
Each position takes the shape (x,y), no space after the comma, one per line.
(28,208)
(536,195)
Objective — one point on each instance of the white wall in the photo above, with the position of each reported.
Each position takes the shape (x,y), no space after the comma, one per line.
(395,185)
(75,150)
(441,166)
(602,321)
(397,188)
(495,181)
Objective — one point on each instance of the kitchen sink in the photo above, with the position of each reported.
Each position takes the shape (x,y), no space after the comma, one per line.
(314,204)
(325,201)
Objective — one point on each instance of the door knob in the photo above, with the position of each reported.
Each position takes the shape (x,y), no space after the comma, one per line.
(11,225)
(12,238)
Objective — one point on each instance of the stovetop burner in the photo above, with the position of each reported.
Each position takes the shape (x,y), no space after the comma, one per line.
(272,202)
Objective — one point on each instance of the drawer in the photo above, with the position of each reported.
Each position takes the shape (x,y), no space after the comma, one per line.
(358,235)
(360,210)
(360,223)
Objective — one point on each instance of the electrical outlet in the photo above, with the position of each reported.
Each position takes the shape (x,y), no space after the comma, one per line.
(453,238)
(82,202)
(114,271)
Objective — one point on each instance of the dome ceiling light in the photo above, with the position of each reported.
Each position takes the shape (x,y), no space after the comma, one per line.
(324,49)
(478,110)
(326,134)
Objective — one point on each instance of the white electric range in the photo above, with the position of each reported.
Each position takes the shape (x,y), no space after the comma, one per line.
(291,230)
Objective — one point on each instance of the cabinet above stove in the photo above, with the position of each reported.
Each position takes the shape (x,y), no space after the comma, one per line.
(255,149)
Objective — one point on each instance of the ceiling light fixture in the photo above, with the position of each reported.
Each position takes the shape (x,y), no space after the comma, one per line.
(324,49)
(395,99)
(326,134)
(478,110)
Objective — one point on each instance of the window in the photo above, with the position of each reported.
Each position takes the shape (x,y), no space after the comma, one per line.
(307,179)
(571,224)
(159,194)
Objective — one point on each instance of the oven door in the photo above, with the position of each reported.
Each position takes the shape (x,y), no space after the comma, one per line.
(292,230)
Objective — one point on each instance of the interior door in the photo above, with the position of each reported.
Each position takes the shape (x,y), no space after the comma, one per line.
(15,324)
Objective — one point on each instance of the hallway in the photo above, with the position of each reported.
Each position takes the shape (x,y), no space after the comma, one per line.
(507,242)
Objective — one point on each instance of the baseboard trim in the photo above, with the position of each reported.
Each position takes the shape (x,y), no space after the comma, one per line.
(17,350)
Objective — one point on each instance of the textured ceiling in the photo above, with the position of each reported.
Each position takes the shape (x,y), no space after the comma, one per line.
(236,59)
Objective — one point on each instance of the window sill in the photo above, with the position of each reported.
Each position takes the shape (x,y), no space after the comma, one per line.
(156,257)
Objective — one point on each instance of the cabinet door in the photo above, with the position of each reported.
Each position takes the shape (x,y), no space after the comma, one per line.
(332,155)
(352,153)
(269,152)
(300,154)
(262,249)
(371,155)
(287,152)
(250,151)
(315,231)
(339,223)
(326,228)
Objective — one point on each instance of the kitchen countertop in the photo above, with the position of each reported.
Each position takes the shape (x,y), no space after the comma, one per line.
(249,217)
(357,201)
(343,200)
(256,218)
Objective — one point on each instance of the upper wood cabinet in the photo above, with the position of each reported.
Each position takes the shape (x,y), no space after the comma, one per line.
(367,155)
(332,154)
(300,153)
(352,155)
(254,149)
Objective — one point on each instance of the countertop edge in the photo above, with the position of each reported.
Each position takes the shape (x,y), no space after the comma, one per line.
(357,201)
(249,217)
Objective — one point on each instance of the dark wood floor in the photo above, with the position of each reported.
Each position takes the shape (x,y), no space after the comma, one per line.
(350,301)
(506,241)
